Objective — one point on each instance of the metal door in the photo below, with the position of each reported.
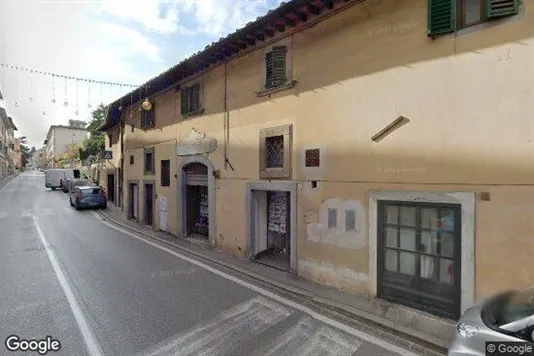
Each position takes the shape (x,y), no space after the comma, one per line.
(135,196)
(163,213)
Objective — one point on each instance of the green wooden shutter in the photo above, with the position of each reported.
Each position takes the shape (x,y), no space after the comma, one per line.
(184,100)
(499,8)
(269,70)
(195,97)
(441,16)
(279,65)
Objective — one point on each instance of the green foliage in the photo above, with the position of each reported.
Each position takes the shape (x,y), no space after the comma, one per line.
(96,142)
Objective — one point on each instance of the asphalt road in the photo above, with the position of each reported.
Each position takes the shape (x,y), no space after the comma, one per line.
(101,291)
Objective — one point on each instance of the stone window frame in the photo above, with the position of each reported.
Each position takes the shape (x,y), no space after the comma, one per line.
(289,82)
(284,172)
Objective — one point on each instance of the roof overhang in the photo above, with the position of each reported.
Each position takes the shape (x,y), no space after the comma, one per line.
(287,18)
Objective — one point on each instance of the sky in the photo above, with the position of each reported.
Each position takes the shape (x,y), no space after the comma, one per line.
(120,41)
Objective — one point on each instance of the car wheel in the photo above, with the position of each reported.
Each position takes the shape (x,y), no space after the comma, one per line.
(53,188)
(76,206)
(70,201)
(104,206)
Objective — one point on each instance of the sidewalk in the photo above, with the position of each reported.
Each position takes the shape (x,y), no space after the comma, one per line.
(7,179)
(403,325)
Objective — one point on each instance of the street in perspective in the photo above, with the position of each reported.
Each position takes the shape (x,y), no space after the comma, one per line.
(98,289)
(267,177)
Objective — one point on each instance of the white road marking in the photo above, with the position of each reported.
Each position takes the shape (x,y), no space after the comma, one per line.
(90,340)
(27,213)
(309,338)
(224,332)
(334,323)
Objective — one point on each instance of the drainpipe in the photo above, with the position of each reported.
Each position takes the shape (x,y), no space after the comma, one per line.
(226,120)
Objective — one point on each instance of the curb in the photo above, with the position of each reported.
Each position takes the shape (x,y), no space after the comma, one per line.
(7,179)
(347,311)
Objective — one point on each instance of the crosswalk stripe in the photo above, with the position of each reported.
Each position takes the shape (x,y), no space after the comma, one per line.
(220,336)
(309,338)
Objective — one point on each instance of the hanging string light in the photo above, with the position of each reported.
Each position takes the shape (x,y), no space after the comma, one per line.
(67,79)
(77,97)
(89,96)
(53,90)
(65,103)
(40,72)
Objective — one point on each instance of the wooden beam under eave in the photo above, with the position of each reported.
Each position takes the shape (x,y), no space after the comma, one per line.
(302,15)
(269,32)
(259,35)
(280,27)
(291,21)
(329,4)
(313,9)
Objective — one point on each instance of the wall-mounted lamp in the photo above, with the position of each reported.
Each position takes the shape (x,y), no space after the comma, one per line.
(147,105)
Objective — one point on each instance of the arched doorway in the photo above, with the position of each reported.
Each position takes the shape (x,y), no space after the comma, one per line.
(197,202)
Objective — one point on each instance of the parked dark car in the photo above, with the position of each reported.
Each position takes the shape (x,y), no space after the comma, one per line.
(65,185)
(88,197)
(78,183)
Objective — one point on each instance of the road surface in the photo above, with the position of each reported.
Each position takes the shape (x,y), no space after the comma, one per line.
(97,290)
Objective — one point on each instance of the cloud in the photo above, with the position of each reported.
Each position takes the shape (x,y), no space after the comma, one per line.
(126,41)
(155,16)
(67,38)
(219,18)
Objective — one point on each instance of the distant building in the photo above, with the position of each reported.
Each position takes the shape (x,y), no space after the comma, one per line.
(16,154)
(59,137)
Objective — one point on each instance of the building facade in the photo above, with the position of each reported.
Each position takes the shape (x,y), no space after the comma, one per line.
(7,144)
(60,137)
(380,147)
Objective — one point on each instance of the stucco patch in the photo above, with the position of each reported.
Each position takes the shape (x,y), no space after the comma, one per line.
(342,278)
(342,234)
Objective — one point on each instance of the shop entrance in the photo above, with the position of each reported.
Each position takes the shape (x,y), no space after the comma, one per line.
(197,201)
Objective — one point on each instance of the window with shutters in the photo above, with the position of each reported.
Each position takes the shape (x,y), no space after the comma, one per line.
(191,99)
(275,152)
(148,118)
(446,16)
(275,67)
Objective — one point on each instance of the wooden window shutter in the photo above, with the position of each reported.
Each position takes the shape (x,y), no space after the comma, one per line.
(195,97)
(499,8)
(184,100)
(269,70)
(441,16)
(279,65)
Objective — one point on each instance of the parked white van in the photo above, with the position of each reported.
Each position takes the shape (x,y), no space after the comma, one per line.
(54,177)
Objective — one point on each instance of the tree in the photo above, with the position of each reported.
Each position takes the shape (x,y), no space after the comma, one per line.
(70,155)
(95,143)
(25,151)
